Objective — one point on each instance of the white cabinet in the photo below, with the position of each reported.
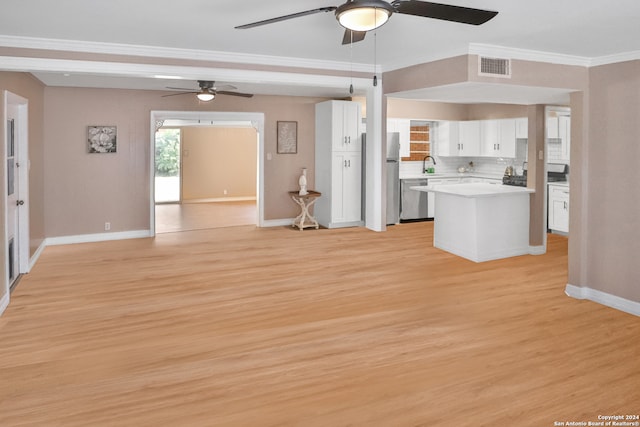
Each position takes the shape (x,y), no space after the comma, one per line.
(345,125)
(473,138)
(498,138)
(559,138)
(558,207)
(522,128)
(346,172)
(564,130)
(338,174)
(460,139)
(553,131)
(469,143)
(447,138)
(507,138)
(403,127)
(431,199)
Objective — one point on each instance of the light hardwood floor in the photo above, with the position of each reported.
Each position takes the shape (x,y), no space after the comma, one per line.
(172,217)
(276,327)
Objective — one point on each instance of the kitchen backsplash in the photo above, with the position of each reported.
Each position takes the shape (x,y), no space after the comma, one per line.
(485,166)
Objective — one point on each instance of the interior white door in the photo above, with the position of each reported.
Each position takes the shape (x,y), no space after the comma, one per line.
(12,201)
(15,193)
(12,191)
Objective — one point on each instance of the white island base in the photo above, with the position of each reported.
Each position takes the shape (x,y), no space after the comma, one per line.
(481,222)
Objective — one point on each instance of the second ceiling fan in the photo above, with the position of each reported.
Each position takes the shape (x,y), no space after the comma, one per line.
(208,91)
(360,16)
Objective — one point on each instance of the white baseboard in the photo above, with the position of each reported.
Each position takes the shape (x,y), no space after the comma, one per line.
(220,199)
(99,237)
(37,253)
(537,250)
(619,303)
(277,222)
(4,302)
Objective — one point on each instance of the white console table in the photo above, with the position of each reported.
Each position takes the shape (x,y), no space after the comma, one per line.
(305,219)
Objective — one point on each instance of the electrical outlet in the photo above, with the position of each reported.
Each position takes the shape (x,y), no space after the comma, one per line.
(225,192)
(107,226)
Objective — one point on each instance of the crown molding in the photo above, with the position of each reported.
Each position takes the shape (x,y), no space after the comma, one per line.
(176,53)
(304,63)
(619,57)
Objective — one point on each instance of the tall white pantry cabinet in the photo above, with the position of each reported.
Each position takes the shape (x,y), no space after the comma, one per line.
(338,174)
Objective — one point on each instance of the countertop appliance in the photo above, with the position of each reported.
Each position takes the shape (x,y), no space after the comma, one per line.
(556,172)
(393,178)
(413,206)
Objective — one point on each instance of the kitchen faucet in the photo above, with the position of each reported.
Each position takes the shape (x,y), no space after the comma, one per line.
(424,169)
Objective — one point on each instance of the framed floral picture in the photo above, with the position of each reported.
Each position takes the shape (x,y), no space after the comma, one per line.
(287,137)
(102,139)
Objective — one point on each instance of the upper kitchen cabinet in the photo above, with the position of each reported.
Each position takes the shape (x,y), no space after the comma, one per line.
(447,138)
(458,138)
(564,129)
(559,138)
(469,138)
(522,128)
(498,138)
(344,119)
(403,127)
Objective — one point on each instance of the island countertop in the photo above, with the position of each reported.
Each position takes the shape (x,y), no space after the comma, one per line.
(475,189)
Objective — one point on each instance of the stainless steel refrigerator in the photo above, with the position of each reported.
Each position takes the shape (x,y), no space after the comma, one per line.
(393,178)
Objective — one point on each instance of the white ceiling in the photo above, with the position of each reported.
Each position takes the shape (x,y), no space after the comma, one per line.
(584,29)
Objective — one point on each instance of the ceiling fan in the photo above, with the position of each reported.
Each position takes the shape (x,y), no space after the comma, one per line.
(360,16)
(208,91)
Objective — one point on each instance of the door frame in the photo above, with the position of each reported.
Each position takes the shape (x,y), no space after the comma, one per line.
(255,120)
(21,105)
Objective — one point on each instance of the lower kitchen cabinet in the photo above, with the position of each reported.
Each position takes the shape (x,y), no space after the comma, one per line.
(431,199)
(558,207)
(341,202)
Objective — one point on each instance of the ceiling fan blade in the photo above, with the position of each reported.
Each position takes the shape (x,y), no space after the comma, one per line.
(285,17)
(357,36)
(225,87)
(177,93)
(178,88)
(464,15)
(224,92)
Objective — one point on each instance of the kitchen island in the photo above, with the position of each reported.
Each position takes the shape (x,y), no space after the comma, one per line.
(481,221)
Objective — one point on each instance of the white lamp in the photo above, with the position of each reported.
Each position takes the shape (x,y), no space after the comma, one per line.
(205,95)
(363,15)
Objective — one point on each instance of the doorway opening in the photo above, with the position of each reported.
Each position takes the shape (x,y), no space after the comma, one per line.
(167,165)
(207,172)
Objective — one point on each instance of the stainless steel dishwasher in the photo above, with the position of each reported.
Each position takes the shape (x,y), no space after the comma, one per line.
(413,204)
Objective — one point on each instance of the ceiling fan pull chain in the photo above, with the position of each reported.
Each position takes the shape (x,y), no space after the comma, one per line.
(351,62)
(375,57)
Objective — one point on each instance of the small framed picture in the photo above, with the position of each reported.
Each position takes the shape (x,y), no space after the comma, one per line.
(287,137)
(102,139)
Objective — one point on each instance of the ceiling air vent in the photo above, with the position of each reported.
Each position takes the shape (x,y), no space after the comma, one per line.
(494,67)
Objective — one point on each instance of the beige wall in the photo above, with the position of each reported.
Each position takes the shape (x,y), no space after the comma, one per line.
(437,73)
(215,160)
(535,174)
(83,191)
(612,197)
(31,89)
(496,111)
(406,108)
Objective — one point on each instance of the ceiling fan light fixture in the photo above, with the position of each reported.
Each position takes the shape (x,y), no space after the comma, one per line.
(363,15)
(205,96)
